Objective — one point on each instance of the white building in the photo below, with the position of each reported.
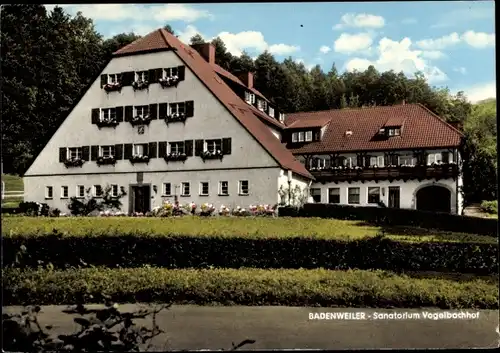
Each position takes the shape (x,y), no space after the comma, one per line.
(164,122)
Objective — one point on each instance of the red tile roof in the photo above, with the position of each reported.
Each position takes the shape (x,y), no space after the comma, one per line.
(161,39)
(395,121)
(421,129)
(234,78)
(304,120)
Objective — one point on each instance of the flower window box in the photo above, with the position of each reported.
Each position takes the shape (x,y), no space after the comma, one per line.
(140,85)
(107,122)
(139,159)
(112,87)
(169,81)
(106,160)
(73,162)
(175,117)
(172,157)
(211,155)
(140,120)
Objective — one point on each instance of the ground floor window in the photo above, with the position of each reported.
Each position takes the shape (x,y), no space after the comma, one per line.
(114,190)
(185,189)
(204,187)
(97,190)
(334,195)
(243,187)
(49,192)
(373,195)
(223,188)
(316,194)
(353,196)
(80,191)
(64,192)
(167,189)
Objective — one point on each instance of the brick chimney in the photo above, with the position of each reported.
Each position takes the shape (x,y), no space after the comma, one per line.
(206,50)
(247,79)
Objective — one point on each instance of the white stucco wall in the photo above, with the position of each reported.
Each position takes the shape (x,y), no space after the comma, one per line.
(408,191)
(247,161)
(210,120)
(262,186)
(296,181)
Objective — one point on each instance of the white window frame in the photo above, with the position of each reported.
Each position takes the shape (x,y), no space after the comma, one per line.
(63,189)
(380,161)
(107,151)
(113,193)
(108,113)
(309,136)
(358,194)
(282,117)
(248,98)
(211,145)
(368,195)
(350,162)
(391,132)
(336,194)
(373,161)
(241,187)
(431,158)
(271,112)
(312,194)
(260,104)
(140,75)
(74,153)
(224,185)
(78,193)
(252,98)
(177,108)
(301,136)
(112,78)
(185,186)
(141,110)
(403,160)
(96,188)
(138,149)
(164,189)
(170,72)
(176,147)
(438,157)
(397,131)
(295,137)
(207,184)
(49,192)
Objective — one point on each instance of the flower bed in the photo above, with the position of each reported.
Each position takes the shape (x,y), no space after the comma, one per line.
(107,122)
(74,162)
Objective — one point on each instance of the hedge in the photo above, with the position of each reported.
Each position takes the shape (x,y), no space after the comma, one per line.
(401,217)
(128,250)
(244,287)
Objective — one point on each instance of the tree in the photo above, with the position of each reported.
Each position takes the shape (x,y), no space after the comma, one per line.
(169,29)
(222,56)
(197,39)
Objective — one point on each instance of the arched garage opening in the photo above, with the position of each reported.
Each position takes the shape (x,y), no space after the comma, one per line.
(434,198)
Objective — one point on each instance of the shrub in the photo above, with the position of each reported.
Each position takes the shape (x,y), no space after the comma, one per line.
(245,287)
(129,250)
(31,208)
(401,217)
(490,206)
(90,204)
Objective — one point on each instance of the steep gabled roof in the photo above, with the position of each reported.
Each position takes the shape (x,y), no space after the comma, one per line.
(235,79)
(162,40)
(421,129)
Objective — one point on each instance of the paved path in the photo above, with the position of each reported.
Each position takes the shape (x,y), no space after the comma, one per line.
(475,210)
(195,327)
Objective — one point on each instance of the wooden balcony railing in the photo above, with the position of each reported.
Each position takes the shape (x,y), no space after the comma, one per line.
(420,172)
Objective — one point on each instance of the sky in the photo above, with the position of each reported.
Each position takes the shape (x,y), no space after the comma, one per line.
(451,42)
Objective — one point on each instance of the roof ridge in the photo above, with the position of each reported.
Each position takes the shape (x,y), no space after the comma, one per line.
(351,109)
(164,36)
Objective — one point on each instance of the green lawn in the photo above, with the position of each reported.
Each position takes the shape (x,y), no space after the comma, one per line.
(250,227)
(13,182)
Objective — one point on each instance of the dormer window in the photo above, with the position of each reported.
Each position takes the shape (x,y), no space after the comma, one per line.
(261,104)
(249,98)
(381,131)
(271,112)
(394,131)
(348,133)
(282,117)
(301,136)
(309,136)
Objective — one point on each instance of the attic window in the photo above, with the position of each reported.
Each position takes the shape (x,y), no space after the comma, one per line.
(282,117)
(261,104)
(271,112)
(381,131)
(394,131)
(249,98)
